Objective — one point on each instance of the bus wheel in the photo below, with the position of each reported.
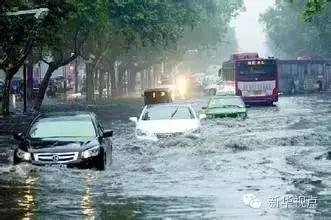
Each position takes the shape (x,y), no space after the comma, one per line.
(212,92)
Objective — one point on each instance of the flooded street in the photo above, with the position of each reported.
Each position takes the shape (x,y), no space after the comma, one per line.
(277,151)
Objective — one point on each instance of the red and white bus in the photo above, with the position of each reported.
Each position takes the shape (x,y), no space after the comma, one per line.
(253,78)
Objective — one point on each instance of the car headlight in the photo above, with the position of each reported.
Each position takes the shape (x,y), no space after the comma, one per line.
(23,155)
(92,152)
(141,132)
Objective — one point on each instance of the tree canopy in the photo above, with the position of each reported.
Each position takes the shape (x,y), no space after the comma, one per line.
(141,32)
(290,35)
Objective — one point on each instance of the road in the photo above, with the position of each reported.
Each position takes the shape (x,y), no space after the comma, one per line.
(276,153)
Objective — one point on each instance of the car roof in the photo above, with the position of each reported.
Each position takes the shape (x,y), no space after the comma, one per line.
(226,96)
(170,104)
(66,114)
(157,90)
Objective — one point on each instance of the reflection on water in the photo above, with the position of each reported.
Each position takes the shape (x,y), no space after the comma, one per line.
(87,203)
(28,201)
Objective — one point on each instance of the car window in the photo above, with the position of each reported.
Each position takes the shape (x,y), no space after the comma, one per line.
(167,113)
(62,127)
(226,102)
(100,128)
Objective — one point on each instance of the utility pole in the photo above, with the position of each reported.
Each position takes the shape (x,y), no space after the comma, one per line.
(24,87)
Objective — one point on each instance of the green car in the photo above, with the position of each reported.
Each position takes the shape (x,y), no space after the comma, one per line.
(225,106)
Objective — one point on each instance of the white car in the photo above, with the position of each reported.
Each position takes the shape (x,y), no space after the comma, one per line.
(213,88)
(167,120)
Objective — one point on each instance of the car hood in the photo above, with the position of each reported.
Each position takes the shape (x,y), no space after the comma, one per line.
(61,145)
(168,126)
(225,110)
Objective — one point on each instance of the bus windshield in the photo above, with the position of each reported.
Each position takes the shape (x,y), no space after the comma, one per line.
(265,70)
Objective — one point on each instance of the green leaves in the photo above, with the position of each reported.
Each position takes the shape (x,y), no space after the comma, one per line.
(289,34)
(313,8)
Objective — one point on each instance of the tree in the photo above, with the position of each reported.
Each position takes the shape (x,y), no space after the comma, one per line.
(212,38)
(63,42)
(17,36)
(289,35)
(313,8)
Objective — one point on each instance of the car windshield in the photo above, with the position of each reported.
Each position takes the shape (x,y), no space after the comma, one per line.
(226,102)
(167,113)
(75,126)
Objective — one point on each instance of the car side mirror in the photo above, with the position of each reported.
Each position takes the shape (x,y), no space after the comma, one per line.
(108,133)
(204,108)
(18,136)
(202,116)
(133,119)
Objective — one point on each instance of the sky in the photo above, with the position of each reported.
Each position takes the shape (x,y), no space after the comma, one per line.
(249,31)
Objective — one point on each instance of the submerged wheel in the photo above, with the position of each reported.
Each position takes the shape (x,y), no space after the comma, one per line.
(101,162)
(16,160)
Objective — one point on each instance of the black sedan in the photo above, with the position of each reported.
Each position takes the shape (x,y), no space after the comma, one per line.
(74,139)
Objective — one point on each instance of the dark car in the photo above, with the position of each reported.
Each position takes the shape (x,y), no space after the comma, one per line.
(74,139)
(157,96)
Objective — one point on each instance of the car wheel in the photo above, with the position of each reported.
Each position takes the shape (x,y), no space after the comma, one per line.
(101,162)
(212,92)
(16,160)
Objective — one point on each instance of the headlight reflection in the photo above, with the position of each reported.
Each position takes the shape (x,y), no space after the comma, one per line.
(27,203)
(87,202)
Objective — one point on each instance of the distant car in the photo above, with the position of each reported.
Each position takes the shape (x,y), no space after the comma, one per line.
(167,120)
(157,95)
(213,88)
(72,139)
(225,106)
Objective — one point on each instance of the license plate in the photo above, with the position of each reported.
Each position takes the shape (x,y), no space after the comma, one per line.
(56,165)
(257,92)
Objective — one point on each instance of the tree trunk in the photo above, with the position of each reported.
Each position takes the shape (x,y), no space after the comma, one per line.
(6,95)
(150,77)
(101,82)
(43,86)
(113,86)
(89,83)
(29,83)
(76,75)
(107,84)
(132,82)
(142,80)
(96,77)
(121,80)
(120,83)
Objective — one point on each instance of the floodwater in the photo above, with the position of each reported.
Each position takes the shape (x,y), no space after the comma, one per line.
(277,153)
